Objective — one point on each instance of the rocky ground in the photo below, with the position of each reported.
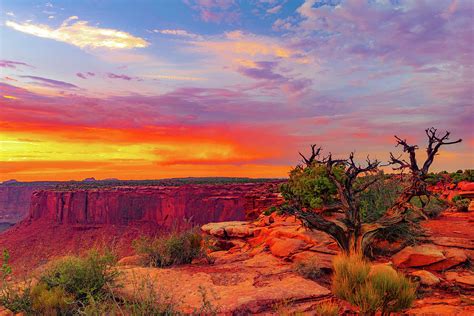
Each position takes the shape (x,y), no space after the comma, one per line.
(255,274)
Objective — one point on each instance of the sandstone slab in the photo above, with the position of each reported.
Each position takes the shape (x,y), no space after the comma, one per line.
(464,277)
(418,256)
(250,286)
(426,278)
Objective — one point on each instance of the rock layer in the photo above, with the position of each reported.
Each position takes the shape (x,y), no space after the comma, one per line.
(14,202)
(162,205)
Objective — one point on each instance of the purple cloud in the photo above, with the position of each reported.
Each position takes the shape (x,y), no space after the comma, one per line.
(266,71)
(123,77)
(51,83)
(215,10)
(85,75)
(12,64)
(81,75)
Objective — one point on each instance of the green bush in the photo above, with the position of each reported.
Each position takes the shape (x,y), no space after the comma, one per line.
(309,269)
(51,301)
(174,249)
(310,187)
(86,279)
(461,204)
(375,201)
(371,289)
(15,299)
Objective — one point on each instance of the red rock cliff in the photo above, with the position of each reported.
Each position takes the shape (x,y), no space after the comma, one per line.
(161,205)
(14,203)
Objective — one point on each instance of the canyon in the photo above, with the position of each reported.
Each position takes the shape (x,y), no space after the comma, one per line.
(161,205)
(69,220)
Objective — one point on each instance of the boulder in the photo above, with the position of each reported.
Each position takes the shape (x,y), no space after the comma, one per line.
(136,260)
(466,186)
(286,246)
(453,256)
(465,278)
(237,229)
(426,278)
(418,256)
(323,260)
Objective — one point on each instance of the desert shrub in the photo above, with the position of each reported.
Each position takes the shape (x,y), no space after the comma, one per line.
(15,299)
(375,201)
(270,210)
(309,269)
(460,175)
(311,187)
(432,206)
(50,301)
(149,301)
(461,204)
(327,309)
(407,233)
(372,289)
(86,279)
(174,249)
(207,307)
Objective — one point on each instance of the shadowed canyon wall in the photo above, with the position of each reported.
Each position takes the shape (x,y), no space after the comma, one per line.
(163,205)
(14,202)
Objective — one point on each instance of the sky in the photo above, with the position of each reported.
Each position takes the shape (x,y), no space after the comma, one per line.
(169,88)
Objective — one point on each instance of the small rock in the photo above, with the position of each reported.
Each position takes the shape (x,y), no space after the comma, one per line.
(464,278)
(286,247)
(136,260)
(426,278)
(453,256)
(418,256)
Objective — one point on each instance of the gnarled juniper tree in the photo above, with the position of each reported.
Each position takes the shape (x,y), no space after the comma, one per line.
(348,229)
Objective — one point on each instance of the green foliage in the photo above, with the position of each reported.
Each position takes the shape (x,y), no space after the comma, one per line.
(149,301)
(372,289)
(466,175)
(174,249)
(327,309)
(433,206)
(461,204)
(14,299)
(85,278)
(309,269)
(375,201)
(50,301)
(310,187)
(270,210)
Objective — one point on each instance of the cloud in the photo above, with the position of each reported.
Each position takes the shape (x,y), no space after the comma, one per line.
(238,43)
(178,32)
(275,9)
(123,77)
(215,10)
(12,64)
(81,75)
(51,83)
(85,75)
(81,34)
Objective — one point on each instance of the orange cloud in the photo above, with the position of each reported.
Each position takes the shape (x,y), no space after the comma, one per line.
(81,34)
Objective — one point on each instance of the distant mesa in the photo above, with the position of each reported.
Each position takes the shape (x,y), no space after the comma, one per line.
(89,179)
(11,181)
(110,179)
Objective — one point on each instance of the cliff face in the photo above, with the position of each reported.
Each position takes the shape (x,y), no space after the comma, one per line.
(14,202)
(160,205)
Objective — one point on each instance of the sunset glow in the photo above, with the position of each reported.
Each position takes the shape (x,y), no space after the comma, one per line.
(151,89)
